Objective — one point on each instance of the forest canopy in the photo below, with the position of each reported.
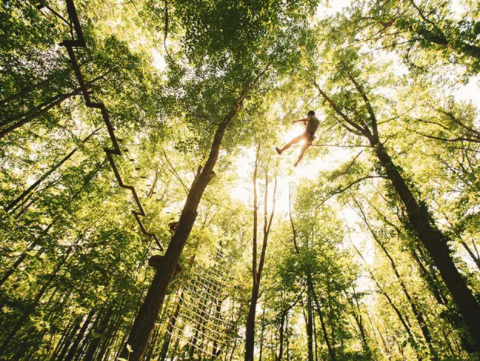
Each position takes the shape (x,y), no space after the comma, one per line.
(239,180)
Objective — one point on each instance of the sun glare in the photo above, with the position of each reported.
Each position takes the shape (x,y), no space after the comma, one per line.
(293,132)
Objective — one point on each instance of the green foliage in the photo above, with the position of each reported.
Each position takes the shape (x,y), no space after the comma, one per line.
(342,247)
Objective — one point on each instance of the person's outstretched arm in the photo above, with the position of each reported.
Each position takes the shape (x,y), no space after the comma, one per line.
(304,120)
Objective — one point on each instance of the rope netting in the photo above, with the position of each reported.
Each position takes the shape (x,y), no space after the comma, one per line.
(207,312)
(205,322)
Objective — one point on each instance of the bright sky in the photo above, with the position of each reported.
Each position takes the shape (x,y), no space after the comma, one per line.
(158,60)
(309,167)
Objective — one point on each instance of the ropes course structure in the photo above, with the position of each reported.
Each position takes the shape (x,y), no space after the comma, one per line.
(79,42)
(205,321)
(203,324)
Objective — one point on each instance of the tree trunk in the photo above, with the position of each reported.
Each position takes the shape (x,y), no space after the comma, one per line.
(59,345)
(152,347)
(309,324)
(429,235)
(216,350)
(281,335)
(81,334)
(361,329)
(34,304)
(331,351)
(359,320)
(262,336)
(257,273)
(250,328)
(147,316)
(432,284)
(22,257)
(40,110)
(94,343)
(24,91)
(45,175)
(311,289)
(472,255)
(250,331)
(463,47)
(66,343)
(436,244)
(109,335)
(417,313)
(170,326)
(402,319)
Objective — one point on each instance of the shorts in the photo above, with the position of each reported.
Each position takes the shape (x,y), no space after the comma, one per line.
(309,137)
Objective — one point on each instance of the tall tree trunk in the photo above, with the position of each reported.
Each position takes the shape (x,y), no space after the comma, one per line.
(357,315)
(417,313)
(257,272)
(361,329)
(95,341)
(429,235)
(170,327)
(430,278)
(152,346)
(315,344)
(62,351)
(60,342)
(216,350)
(46,175)
(34,304)
(24,91)
(250,337)
(436,244)
(262,335)
(432,284)
(331,351)
(284,326)
(22,257)
(402,319)
(310,285)
(309,324)
(440,39)
(147,316)
(81,334)
(384,343)
(281,335)
(250,330)
(40,110)
(109,336)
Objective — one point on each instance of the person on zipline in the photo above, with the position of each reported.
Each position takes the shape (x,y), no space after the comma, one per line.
(311,123)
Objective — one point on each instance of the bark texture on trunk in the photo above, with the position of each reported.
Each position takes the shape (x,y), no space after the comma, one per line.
(95,341)
(78,339)
(434,241)
(309,325)
(250,330)
(436,244)
(147,316)
(413,305)
(257,272)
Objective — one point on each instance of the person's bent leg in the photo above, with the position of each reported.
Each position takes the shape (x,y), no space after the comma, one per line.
(302,152)
(288,145)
